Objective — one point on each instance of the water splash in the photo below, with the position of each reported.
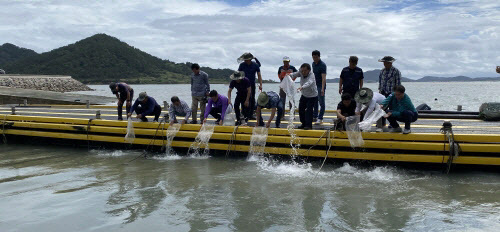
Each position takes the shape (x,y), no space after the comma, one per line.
(258,141)
(171,132)
(201,141)
(288,86)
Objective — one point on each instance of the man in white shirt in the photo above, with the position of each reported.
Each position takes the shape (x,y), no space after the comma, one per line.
(368,102)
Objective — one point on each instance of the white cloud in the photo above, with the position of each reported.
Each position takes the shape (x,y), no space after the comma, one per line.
(445,38)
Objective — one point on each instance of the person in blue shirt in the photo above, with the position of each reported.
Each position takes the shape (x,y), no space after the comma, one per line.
(269,100)
(124,93)
(319,70)
(144,106)
(351,78)
(251,69)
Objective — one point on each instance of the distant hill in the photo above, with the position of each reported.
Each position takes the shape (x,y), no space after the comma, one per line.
(372,76)
(10,53)
(101,59)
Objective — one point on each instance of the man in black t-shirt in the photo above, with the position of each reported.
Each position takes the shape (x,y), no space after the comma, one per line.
(345,108)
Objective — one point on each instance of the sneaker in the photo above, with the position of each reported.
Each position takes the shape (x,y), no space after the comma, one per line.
(406,131)
(395,130)
(379,130)
(319,122)
(243,122)
(194,122)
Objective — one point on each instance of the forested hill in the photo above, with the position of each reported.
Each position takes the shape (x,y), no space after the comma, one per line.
(10,53)
(100,59)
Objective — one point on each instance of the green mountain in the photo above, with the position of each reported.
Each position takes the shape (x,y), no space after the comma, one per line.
(10,53)
(101,59)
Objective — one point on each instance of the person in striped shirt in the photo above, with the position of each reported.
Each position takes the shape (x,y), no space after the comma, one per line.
(389,76)
(179,108)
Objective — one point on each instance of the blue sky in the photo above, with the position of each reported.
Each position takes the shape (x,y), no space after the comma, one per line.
(440,38)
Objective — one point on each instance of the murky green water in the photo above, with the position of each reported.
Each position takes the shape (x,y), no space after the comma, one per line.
(67,189)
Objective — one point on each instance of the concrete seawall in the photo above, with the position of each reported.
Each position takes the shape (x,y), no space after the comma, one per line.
(43,82)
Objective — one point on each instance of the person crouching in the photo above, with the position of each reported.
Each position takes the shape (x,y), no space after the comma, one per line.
(345,108)
(179,108)
(216,106)
(400,109)
(269,100)
(367,102)
(144,106)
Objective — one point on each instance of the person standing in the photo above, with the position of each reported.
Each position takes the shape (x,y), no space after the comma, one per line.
(309,95)
(242,85)
(389,76)
(199,91)
(216,106)
(251,68)
(124,93)
(144,106)
(179,108)
(319,70)
(284,70)
(400,108)
(351,78)
(269,100)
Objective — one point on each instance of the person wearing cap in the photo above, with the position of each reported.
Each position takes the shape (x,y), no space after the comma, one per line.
(178,108)
(345,108)
(400,108)
(199,91)
(216,106)
(319,70)
(269,100)
(351,77)
(284,70)
(389,76)
(251,68)
(309,95)
(144,106)
(367,102)
(124,93)
(242,85)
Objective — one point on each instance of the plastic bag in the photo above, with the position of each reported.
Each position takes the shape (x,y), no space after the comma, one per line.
(229,117)
(366,124)
(288,87)
(130,136)
(353,132)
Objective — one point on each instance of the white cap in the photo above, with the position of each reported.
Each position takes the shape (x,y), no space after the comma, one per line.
(286,58)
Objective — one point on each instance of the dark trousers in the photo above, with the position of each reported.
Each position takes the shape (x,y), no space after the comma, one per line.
(306,105)
(156,112)
(240,100)
(252,100)
(280,110)
(321,100)
(123,99)
(216,113)
(406,116)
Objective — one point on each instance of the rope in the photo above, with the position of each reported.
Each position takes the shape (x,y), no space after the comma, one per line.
(454,150)
(328,143)
(231,141)
(3,129)
(144,153)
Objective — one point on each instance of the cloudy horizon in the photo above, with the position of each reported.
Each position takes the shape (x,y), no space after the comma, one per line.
(428,38)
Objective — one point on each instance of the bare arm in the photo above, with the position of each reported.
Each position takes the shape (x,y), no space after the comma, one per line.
(273,112)
(323,83)
(361,83)
(229,95)
(260,81)
(340,86)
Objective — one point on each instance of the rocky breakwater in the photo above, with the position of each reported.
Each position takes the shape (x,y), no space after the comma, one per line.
(43,82)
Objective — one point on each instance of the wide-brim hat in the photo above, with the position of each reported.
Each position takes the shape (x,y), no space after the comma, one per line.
(387,59)
(363,95)
(246,56)
(237,75)
(263,99)
(142,96)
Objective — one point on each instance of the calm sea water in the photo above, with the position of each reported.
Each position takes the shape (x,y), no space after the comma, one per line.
(438,95)
(48,188)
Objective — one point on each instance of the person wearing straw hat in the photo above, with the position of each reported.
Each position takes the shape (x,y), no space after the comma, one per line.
(389,76)
(367,102)
(269,100)
(251,68)
(242,85)
(284,70)
(144,106)
(125,94)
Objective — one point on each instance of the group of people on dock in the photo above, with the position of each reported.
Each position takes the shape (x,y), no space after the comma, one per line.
(356,100)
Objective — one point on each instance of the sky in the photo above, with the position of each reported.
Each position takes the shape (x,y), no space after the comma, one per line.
(438,38)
